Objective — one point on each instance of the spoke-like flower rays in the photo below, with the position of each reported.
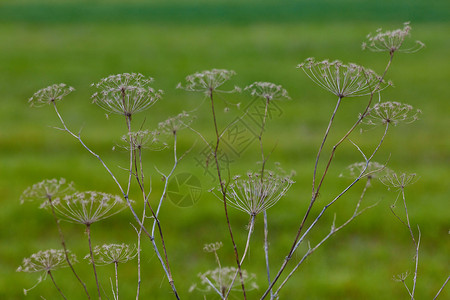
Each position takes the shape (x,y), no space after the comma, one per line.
(50,94)
(267,90)
(392,113)
(391,41)
(125,94)
(88,207)
(342,80)
(208,81)
(253,194)
(113,254)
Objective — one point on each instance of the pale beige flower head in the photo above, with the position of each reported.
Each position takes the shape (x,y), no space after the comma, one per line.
(50,94)
(212,247)
(219,280)
(365,169)
(143,139)
(47,190)
(173,124)
(343,80)
(88,207)
(125,94)
(398,180)
(267,90)
(113,254)
(208,81)
(391,113)
(45,261)
(391,41)
(254,193)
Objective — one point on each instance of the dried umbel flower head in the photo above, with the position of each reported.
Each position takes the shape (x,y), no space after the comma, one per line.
(47,190)
(88,207)
(219,280)
(267,90)
(143,139)
(125,94)
(213,247)
(174,124)
(45,261)
(254,193)
(391,41)
(342,80)
(208,81)
(50,94)
(113,254)
(363,169)
(391,113)
(398,181)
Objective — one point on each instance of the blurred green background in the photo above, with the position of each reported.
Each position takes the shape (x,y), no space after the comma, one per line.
(80,42)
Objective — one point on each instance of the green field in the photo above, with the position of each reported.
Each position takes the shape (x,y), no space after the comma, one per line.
(79,42)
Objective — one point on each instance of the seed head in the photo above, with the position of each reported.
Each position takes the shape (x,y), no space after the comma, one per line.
(208,81)
(213,247)
(176,123)
(220,280)
(254,193)
(398,181)
(45,261)
(143,139)
(113,254)
(363,169)
(88,207)
(125,94)
(392,113)
(47,190)
(391,41)
(343,80)
(267,90)
(50,94)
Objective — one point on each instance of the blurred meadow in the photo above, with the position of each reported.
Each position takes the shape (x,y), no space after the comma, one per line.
(80,42)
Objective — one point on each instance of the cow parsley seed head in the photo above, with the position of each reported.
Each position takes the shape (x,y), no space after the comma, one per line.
(45,261)
(392,113)
(176,123)
(113,254)
(47,190)
(363,169)
(220,280)
(143,139)
(125,94)
(50,94)
(343,80)
(391,41)
(88,207)
(267,90)
(208,81)
(398,180)
(213,247)
(253,193)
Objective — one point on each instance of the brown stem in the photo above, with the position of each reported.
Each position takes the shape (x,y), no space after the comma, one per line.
(88,231)
(54,283)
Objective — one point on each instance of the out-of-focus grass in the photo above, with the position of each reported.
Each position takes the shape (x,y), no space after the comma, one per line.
(357,263)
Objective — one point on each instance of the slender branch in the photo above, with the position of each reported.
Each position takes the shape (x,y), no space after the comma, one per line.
(442,287)
(54,283)
(223,190)
(88,231)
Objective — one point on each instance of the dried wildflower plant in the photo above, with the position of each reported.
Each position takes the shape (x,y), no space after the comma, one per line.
(47,190)
(212,247)
(220,280)
(143,139)
(50,94)
(208,81)
(391,41)
(364,169)
(174,124)
(88,207)
(267,90)
(113,254)
(253,193)
(45,261)
(398,180)
(391,113)
(343,80)
(125,94)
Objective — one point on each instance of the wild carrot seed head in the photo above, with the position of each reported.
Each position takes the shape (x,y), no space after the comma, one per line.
(267,90)
(47,190)
(392,113)
(50,94)
(208,81)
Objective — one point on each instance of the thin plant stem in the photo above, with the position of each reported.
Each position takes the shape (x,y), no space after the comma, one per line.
(442,288)
(88,231)
(223,190)
(54,283)
(125,195)
(116,265)
(63,243)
